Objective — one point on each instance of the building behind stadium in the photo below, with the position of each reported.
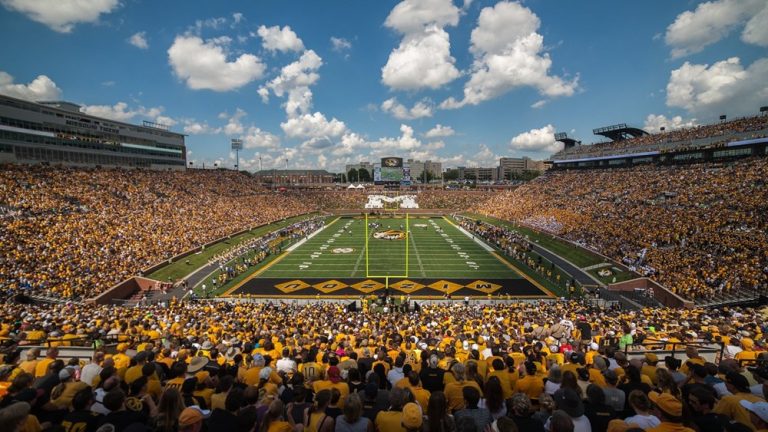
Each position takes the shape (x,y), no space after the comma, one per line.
(58,133)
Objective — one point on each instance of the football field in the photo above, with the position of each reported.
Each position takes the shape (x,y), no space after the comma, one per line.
(425,256)
(435,248)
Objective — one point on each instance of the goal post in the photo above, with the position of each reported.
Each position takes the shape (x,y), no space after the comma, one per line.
(367,249)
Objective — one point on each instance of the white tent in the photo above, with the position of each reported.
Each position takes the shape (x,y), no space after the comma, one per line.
(351,186)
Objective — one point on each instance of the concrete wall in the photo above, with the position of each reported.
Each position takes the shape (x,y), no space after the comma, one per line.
(660,292)
(124,289)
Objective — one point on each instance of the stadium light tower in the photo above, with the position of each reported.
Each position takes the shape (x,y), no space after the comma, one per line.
(237,145)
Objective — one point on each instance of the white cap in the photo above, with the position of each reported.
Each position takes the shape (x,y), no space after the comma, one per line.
(759,408)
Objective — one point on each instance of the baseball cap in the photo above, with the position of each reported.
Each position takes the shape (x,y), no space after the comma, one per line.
(65,374)
(737,380)
(667,403)
(569,401)
(760,409)
(412,417)
(192,415)
(651,357)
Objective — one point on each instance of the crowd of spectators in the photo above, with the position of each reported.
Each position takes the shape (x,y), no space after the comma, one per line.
(72,233)
(700,230)
(555,366)
(456,200)
(659,141)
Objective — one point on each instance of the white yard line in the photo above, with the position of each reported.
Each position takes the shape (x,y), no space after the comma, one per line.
(418,257)
(292,247)
(357,263)
(475,239)
(359,257)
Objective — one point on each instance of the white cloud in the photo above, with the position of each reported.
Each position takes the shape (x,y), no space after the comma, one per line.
(257,138)
(122,112)
(280,39)
(405,142)
(62,16)
(756,30)
(322,161)
(204,65)
(192,127)
(41,88)
(710,22)
(237,17)
(485,157)
(165,121)
(723,87)
(139,40)
(263,94)
(118,111)
(654,123)
(413,16)
(313,126)
(440,131)
(350,143)
(423,58)
(536,140)
(423,108)
(339,44)
(294,81)
(539,104)
(509,53)
(234,126)
(213,23)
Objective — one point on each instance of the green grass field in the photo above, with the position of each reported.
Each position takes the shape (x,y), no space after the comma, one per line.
(182,268)
(435,249)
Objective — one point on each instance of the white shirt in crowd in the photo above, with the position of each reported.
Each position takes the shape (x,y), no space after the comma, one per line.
(286,365)
(644,421)
(89,372)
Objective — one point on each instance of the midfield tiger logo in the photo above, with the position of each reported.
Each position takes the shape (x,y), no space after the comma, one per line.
(390,235)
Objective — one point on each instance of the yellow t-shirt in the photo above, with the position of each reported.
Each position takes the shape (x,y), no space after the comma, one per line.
(389,421)
(454,393)
(531,385)
(731,407)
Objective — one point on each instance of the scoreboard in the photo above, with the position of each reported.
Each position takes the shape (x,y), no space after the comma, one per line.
(391,171)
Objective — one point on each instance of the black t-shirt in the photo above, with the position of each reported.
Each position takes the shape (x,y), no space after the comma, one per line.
(333,412)
(528,424)
(224,420)
(81,421)
(711,422)
(122,419)
(585,329)
(432,379)
(599,416)
(364,365)
(248,417)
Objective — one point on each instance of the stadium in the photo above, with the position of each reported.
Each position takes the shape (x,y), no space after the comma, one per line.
(611,286)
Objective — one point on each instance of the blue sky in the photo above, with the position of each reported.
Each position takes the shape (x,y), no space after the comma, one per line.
(324,83)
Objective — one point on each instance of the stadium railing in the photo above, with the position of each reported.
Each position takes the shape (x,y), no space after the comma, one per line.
(710,351)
